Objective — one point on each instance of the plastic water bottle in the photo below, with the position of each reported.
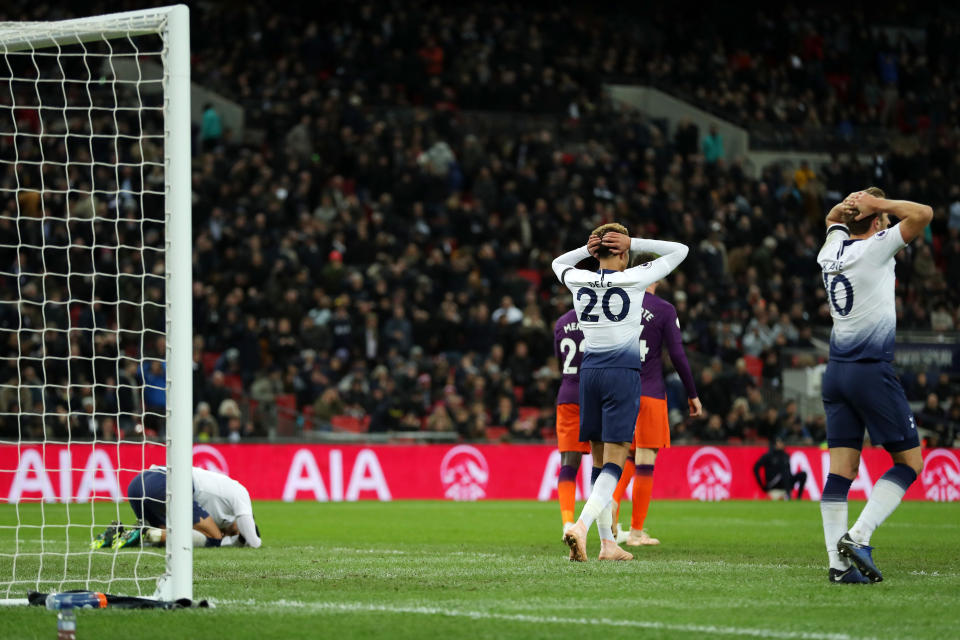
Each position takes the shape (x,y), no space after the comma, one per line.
(65,604)
(76,600)
(66,624)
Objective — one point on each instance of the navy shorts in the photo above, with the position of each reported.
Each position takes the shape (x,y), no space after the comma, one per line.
(609,404)
(147,494)
(867,395)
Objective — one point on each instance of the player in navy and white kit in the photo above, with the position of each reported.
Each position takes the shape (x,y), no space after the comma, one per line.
(860,389)
(222,510)
(609,304)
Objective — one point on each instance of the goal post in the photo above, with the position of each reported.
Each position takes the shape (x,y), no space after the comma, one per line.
(80,185)
(179,263)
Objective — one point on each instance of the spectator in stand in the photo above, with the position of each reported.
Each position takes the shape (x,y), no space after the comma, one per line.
(713,430)
(506,412)
(204,424)
(712,393)
(507,312)
(946,388)
(211,128)
(770,426)
(932,421)
(951,436)
(440,420)
(713,146)
(153,376)
(920,389)
(326,407)
(739,419)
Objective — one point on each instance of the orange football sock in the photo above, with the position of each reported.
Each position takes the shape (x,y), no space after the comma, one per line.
(622,487)
(567,492)
(642,491)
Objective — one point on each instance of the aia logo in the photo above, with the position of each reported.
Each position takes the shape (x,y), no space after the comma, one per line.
(941,476)
(709,475)
(207,457)
(464,473)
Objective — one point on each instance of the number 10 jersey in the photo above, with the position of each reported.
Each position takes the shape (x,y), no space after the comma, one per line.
(860,281)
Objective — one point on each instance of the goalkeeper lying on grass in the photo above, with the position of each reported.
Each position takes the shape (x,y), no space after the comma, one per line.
(222,512)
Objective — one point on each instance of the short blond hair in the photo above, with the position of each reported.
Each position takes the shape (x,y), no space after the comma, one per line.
(602,251)
(610,226)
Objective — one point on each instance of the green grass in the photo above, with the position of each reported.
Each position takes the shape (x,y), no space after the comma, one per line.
(499,570)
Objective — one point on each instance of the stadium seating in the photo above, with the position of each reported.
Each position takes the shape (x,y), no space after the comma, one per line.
(357,187)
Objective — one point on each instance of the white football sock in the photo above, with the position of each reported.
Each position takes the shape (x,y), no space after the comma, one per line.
(605,522)
(199,540)
(834,514)
(883,501)
(601,496)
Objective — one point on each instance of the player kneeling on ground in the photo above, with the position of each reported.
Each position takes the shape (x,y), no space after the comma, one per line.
(222,512)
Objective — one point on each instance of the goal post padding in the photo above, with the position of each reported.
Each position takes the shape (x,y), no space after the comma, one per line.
(95,293)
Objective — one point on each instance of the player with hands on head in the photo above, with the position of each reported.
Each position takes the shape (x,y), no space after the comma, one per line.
(609,304)
(860,388)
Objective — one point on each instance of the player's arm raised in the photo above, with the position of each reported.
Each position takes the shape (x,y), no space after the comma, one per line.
(914,217)
(564,263)
(836,214)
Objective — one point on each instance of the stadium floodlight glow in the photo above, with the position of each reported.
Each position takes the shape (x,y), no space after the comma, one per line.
(95,300)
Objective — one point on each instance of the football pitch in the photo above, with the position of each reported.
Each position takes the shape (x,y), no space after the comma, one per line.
(499,570)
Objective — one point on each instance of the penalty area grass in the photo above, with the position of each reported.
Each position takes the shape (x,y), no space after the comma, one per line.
(499,569)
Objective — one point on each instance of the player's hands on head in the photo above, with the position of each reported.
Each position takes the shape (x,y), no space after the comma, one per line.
(617,242)
(593,243)
(696,409)
(866,204)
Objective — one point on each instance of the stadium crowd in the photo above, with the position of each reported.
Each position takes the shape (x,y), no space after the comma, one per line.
(383,255)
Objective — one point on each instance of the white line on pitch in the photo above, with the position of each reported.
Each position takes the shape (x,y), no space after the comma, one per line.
(358,607)
(655,561)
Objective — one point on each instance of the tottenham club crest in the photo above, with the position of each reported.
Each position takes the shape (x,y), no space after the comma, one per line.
(464,473)
(207,457)
(941,476)
(709,475)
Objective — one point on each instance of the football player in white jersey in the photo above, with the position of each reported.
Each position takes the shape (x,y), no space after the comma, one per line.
(228,503)
(222,511)
(860,389)
(608,303)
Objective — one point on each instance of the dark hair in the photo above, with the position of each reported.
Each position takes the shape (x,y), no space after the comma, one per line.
(859,227)
(643,257)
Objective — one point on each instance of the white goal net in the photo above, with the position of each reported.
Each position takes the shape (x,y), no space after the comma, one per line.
(94,265)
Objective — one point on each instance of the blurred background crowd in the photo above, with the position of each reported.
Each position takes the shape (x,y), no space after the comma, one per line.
(373,254)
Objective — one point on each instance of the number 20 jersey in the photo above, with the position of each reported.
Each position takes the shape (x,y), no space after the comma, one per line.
(860,281)
(609,304)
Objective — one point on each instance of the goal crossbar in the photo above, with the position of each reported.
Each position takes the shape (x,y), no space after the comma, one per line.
(22,36)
